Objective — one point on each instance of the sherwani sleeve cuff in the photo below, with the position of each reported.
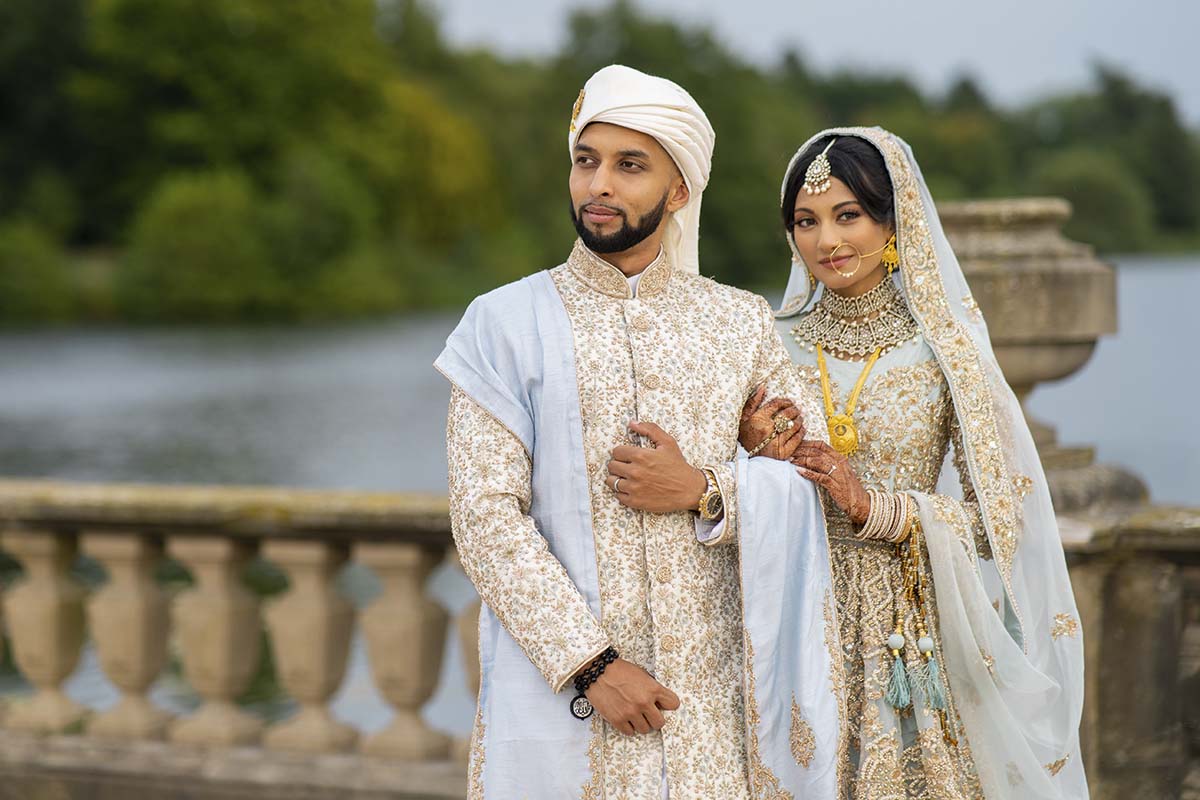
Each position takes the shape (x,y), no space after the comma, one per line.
(562,680)
(726,529)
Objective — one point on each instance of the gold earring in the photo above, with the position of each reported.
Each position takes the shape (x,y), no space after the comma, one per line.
(812,282)
(891,256)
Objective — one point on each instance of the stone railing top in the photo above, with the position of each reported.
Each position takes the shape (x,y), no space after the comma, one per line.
(251,512)
(1166,530)
(1005,212)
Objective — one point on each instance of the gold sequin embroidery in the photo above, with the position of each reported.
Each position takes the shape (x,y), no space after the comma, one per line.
(972,307)
(763,782)
(804,743)
(1055,767)
(475,773)
(1064,625)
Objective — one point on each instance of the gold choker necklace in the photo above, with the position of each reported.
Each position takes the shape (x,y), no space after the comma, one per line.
(855,327)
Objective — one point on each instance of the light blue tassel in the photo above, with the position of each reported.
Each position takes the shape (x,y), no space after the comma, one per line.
(927,680)
(935,694)
(899,695)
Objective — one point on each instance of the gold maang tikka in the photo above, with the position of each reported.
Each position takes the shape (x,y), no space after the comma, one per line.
(816,177)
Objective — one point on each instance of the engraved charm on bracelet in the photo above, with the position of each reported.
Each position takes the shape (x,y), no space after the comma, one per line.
(581,707)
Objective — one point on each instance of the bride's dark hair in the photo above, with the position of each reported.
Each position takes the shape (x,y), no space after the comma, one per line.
(856,163)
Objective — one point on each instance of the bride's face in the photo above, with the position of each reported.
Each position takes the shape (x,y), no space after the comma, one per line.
(831,230)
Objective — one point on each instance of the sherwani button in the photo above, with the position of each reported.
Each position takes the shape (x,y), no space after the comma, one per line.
(663,574)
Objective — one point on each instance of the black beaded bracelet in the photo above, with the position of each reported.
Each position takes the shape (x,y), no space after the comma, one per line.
(581,708)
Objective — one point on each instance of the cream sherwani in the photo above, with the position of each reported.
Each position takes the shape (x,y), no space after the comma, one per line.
(685,352)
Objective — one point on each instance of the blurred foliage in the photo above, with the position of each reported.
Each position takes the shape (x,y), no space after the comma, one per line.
(1099,188)
(248,159)
(35,281)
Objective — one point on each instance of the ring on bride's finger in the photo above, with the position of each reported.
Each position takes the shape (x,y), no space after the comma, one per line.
(616,483)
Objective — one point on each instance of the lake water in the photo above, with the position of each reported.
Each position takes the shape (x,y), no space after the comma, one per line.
(359,406)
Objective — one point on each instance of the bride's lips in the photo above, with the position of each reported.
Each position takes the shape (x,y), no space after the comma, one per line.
(837,263)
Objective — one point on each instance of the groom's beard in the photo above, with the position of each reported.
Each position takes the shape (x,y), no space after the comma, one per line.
(628,236)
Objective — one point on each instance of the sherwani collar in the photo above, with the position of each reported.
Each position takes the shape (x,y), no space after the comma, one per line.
(598,274)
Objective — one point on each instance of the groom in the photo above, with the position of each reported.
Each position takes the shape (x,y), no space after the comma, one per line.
(594,491)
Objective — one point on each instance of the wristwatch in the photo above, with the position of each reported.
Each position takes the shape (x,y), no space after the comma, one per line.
(712,505)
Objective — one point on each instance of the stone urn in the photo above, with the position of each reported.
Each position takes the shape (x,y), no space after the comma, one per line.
(1047,301)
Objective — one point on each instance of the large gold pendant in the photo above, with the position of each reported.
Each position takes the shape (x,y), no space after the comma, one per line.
(843,436)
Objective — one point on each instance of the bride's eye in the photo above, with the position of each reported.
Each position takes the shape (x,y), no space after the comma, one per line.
(846,216)
(803,222)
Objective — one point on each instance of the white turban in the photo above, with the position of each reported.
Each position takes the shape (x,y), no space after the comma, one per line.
(660,108)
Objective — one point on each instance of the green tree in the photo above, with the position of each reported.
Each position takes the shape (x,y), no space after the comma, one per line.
(198,84)
(41,43)
(35,281)
(1112,209)
(199,252)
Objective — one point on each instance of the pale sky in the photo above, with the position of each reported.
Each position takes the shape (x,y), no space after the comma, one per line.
(1016,49)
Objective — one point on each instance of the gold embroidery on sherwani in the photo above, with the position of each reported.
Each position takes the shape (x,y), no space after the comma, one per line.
(475,772)
(685,353)
(594,788)
(501,550)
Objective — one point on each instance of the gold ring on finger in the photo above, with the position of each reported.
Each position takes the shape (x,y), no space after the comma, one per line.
(782,423)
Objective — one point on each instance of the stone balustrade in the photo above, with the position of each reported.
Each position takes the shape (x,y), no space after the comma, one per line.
(219,625)
(1135,569)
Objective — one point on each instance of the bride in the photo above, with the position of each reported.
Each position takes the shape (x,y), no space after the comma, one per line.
(960,640)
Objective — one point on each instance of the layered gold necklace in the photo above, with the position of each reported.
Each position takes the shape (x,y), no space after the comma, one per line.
(843,434)
(855,327)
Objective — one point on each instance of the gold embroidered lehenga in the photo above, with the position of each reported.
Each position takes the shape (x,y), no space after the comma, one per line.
(998,602)
(905,426)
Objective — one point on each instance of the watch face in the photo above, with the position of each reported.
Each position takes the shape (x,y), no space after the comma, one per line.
(712,506)
(581,707)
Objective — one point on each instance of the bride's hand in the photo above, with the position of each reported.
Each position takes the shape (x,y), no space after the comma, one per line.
(758,422)
(831,470)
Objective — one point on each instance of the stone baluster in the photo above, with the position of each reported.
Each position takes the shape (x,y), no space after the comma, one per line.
(45,618)
(311,628)
(406,634)
(129,623)
(218,626)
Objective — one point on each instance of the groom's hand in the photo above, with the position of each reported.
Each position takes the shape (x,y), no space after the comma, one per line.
(657,478)
(630,699)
